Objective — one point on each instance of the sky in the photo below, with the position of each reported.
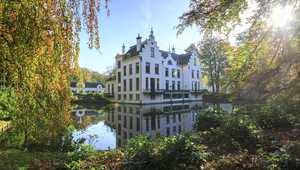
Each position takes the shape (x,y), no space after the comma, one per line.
(130,17)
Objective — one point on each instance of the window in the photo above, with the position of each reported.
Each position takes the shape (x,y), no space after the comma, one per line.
(125,96)
(178,73)
(195,61)
(157,83)
(152,52)
(130,84)
(119,77)
(108,89)
(147,124)
(119,64)
(173,73)
(124,121)
(148,68)
(174,118)
(119,97)
(199,85)
(178,85)
(130,69)
(198,74)
(168,131)
(168,119)
(167,72)
(192,73)
(170,62)
(137,97)
(147,82)
(124,70)
(167,84)
(124,85)
(119,88)
(137,84)
(130,122)
(156,68)
(130,96)
(173,85)
(174,129)
(137,124)
(192,85)
(137,68)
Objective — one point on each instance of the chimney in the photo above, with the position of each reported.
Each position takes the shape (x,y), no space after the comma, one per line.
(173,50)
(123,49)
(138,43)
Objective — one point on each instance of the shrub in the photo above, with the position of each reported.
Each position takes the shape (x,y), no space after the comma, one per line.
(226,132)
(210,118)
(171,153)
(287,157)
(8,103)
(276,116)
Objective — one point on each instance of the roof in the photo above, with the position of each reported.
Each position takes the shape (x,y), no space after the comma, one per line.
(92,84)
(182,58)
(111,78)
(132,51)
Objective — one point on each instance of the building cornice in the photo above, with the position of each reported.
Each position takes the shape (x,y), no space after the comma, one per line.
(131,59)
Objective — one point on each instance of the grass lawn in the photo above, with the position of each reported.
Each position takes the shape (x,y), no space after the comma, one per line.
(15,159)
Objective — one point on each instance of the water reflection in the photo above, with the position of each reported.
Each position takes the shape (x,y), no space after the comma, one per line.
(110,128)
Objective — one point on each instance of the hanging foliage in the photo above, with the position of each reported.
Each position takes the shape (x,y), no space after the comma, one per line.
(39,46)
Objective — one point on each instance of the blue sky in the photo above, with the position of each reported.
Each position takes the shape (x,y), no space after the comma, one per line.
(130,17)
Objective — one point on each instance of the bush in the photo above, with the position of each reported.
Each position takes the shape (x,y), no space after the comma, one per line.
(210,118)
(287,157)
(226,132)
(171,153)
(8,103)
(276,116)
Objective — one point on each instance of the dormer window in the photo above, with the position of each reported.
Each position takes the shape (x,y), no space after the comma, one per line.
(170,62)
(128,55)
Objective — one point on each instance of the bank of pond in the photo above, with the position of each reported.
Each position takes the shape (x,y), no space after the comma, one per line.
(171,136)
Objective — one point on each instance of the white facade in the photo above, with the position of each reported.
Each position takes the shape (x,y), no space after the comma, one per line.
(88,87)
(146,75)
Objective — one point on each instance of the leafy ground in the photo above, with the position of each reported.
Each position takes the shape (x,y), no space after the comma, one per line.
(272,139)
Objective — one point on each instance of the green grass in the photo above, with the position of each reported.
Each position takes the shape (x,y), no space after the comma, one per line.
(18,159)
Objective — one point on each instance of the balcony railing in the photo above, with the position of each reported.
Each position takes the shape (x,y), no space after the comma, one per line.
(163,91)
(109,94)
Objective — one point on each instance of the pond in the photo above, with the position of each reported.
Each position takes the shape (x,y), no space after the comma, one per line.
(110,126)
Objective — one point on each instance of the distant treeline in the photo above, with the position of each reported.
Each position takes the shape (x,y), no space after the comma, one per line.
(89,75)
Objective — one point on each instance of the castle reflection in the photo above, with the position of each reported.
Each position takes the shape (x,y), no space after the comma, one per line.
(111,126)
(167,119)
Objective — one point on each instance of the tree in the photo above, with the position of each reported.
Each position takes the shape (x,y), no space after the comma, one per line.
(39,46)
(214,58)
(265,62)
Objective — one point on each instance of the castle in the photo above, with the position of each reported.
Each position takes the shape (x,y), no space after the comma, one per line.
(147,75)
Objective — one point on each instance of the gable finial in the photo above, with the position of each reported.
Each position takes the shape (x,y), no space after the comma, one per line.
(151,31)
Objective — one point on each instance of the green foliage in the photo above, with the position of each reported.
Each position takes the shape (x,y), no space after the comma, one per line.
(171,153)
(276,115)
(8,103)
(210,118)
(214,52)
(287,157)
(230,132)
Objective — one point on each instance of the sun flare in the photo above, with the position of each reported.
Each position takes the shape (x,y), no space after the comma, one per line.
(280,16)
